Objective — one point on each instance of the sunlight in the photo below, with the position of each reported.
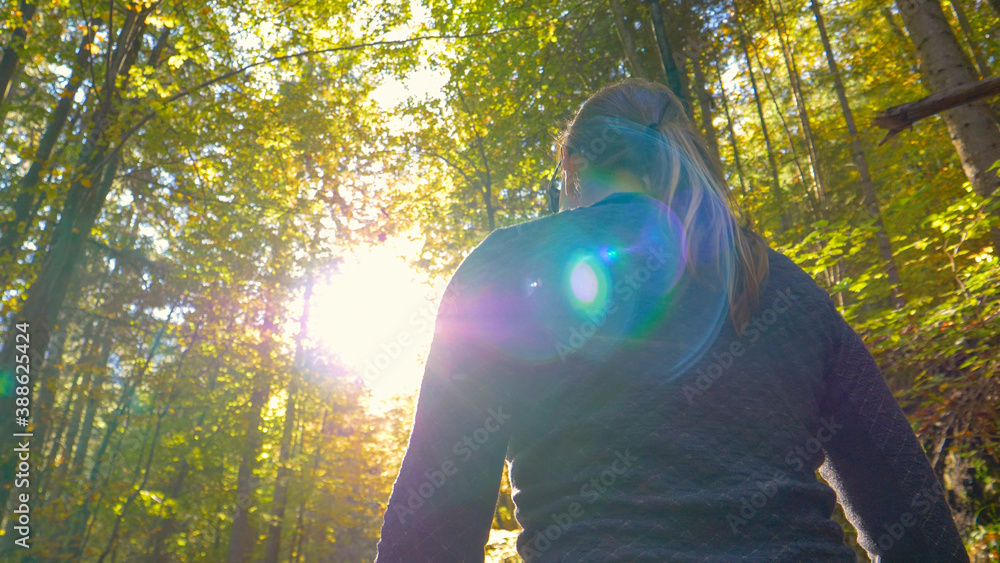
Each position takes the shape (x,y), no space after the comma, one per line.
(377,313)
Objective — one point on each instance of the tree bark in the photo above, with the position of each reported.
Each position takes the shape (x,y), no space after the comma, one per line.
(974,130)
(625,36)
(100,369)
(800,102)
(898,118)
(779,111)
(779,197)
(243,535)
(272,548)
(87,192)
(732,135)
(982,65)
(670,69)
(28,196)
(870,197)
(705,105)
(8,65)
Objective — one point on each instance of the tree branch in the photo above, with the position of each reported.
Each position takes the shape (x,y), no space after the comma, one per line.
(384,43)
(898,118)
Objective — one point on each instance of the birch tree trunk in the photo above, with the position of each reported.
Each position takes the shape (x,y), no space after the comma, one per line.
(974,130)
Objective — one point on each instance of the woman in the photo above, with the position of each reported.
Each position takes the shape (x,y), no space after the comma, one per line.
(663,384)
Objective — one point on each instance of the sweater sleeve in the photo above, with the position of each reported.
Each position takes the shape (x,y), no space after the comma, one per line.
(875,463)
(442,503)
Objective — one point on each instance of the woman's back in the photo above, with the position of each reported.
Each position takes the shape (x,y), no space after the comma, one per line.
(638,423)
(664,385)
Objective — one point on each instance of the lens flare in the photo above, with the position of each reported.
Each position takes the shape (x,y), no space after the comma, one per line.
(588,283)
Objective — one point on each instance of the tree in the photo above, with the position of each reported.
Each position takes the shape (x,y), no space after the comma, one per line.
(974,128)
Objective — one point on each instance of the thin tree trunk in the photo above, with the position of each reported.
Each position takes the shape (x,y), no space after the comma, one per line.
(732,135)
(243,535)
(779,197)
(100,368)
(977,54)
(809,194)
(625,36)
(670,69)
(705,105)
(29,196)
(84,201)
(11,57)
(800,103)
(78,522)
(116,528)
(168,525)
(273,546)
(870,197)
(973,127)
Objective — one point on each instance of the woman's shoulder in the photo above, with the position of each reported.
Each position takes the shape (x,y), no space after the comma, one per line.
(788,278)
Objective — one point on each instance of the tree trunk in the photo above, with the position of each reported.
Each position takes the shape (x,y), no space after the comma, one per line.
(625,36)
(100,368)
(273,547)
(8,65)
(982,65)
(243,535)
(87,192)
(800,102)
(779,197)
(705,105)
(79,520)
(973,127)
(870,197)
(116,528)
(732,135)
(28,195)
(670,69)
(780,112)
(167,525)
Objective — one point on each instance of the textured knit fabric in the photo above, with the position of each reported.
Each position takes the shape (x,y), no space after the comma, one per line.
(639,424)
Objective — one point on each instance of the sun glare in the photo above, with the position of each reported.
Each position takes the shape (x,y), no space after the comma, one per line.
(377,313)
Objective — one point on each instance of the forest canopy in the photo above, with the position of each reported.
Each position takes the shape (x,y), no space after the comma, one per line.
(224,229)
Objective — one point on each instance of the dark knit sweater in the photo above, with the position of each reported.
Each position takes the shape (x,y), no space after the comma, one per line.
(639,424)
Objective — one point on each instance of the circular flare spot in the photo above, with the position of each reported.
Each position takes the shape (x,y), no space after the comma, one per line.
(588,284)
(583,281)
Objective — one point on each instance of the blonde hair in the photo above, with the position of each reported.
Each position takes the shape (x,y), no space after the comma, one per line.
(640,127)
